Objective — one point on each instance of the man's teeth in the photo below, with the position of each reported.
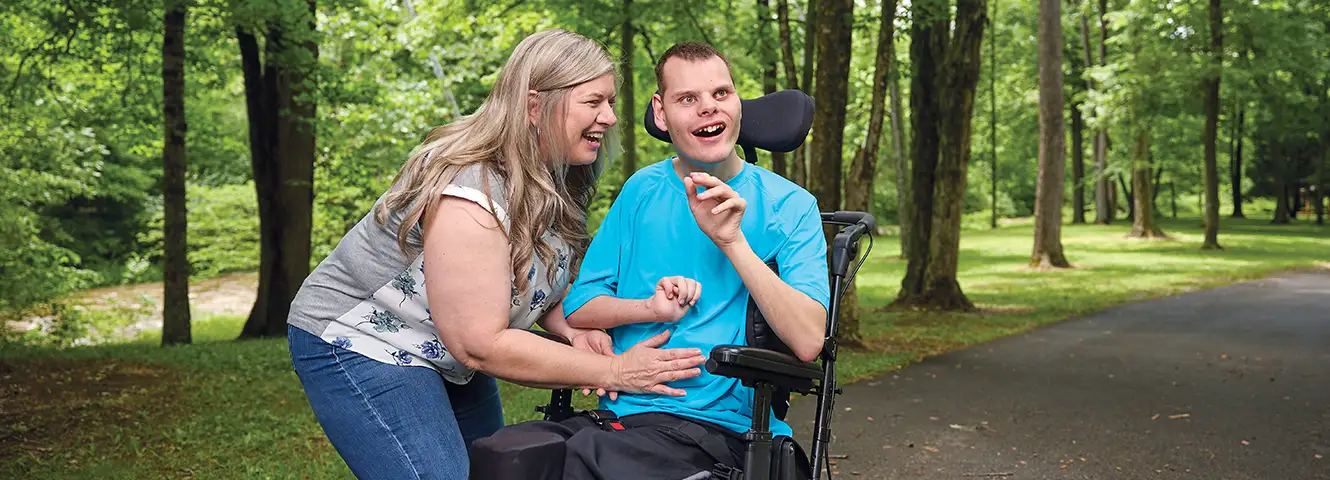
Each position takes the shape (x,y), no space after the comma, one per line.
(711,129)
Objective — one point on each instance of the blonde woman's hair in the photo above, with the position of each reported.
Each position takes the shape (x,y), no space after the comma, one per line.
(543,191)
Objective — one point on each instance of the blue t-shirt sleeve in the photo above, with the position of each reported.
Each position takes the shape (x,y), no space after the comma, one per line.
(803,260)
(599,272)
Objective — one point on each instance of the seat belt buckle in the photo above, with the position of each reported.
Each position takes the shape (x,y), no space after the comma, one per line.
(605,419)
(722,471)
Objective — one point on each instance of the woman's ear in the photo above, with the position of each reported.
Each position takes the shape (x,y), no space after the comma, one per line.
(533,107)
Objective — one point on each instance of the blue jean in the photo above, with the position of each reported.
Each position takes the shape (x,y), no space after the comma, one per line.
(390,421)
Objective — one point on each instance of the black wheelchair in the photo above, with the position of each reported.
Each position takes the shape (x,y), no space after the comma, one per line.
(775,122)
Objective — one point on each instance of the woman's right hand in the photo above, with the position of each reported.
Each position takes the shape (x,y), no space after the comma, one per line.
(645,368)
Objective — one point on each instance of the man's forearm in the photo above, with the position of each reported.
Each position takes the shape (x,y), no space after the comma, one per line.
(797,319)
(606,311)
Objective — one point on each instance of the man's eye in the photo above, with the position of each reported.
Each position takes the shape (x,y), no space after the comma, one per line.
(686,100)
(721,93)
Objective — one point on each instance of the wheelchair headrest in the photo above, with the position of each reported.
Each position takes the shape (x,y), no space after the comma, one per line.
(775,122)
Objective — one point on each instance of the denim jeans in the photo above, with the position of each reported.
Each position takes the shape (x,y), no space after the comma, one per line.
(390,421)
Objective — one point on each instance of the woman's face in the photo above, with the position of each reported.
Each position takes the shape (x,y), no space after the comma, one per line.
(588,115)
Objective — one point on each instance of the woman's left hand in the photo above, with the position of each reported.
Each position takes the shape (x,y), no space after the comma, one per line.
(595,341)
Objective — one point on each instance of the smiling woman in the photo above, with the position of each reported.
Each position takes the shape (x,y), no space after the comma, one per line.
(399,334)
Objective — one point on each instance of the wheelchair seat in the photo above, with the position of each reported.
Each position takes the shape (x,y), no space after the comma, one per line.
(778,121)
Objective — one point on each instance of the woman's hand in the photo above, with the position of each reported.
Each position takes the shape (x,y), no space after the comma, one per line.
(595,341)
(645,368)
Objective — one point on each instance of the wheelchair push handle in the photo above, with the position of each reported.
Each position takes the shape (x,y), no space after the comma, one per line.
(851,218)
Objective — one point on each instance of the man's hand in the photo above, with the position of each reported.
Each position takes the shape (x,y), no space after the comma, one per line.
(595,341)
(673,297)
(718,209)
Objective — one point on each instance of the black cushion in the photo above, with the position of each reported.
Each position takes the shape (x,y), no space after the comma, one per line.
(775,122)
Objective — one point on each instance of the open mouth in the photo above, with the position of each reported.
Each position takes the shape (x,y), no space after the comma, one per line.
(593,138)
(710,130)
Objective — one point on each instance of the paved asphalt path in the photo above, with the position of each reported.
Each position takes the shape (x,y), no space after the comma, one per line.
(1231,384)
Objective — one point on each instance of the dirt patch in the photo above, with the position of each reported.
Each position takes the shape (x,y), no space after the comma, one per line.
(231,294)
(48,405)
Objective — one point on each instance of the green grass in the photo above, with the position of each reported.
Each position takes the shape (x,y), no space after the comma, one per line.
(224,409)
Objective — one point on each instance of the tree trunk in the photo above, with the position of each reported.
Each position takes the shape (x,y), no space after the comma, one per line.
(628,101)
(1052,142)
(791,78)
(769,60)
(1077,165)
(992,128)
(960,77)
(175,254)
(1235,167)
(833,75)
(1103,190)
(1143,224)
(802,159)
(927,40)
(1212,128)
(1279,161)
(859,185)
(903,208)
(281,109)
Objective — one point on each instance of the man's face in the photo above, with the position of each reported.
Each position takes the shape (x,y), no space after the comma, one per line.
(699,108)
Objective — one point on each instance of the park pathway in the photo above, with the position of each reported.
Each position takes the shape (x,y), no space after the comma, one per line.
(1226,384)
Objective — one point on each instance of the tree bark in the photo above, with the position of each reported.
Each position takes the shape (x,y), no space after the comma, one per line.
(903,208)
(801,163)
(1235,164)
(1278,161)
(956,104)
(1143,224)
(279,95)
(769,60)
(1212,128)
(796,159)
(1078,131)
(992,128)
(863,169)
(175,258)
(835,23)
(927,40)
(629,101)
(1103,190)
(1052,142)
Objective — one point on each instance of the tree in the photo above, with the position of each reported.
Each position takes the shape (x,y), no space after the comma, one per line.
(863,169)
(796,160)
(175,255)
(906,215)
(1052,141)
(767,54)
(1079,89)
(946,73)
(801,163)
(1211,86)
(279,99)
(629,102)
(1103,189)
(835,19)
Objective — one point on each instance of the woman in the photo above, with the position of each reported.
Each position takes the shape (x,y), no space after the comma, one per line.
(488,214)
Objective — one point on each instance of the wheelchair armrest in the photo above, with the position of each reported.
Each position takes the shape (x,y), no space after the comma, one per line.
(553,337)
(760,365)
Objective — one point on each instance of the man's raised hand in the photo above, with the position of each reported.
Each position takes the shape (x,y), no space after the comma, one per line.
(718,209)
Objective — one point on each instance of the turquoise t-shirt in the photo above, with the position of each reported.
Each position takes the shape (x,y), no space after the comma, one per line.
(649,233)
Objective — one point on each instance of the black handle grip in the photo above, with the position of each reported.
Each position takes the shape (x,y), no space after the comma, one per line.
(849,217)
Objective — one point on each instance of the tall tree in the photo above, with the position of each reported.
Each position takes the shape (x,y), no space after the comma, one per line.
(863,169)
(1103,188)
(175,254)
(801,164)
(1052,141)
(629,101)
(1079,89)
(1143,211)
(796,159)
(835,20)
(1211,84)
(992,126)
(767,54)
(946,73)
(1235,159)
(903,195)
(279,99)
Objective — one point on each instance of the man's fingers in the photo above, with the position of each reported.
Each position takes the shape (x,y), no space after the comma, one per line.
(689,188)
(731,204)
(723,191)
(664,390)
(704,179)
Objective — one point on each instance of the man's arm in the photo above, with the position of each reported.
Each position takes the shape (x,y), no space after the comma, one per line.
(798,319)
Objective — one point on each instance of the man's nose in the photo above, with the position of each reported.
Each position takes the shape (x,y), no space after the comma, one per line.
(708,107)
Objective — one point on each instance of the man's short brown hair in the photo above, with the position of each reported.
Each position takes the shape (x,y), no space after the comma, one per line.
(691,51)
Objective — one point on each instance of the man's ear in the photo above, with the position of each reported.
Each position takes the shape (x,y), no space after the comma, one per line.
(658,112)
(533,107)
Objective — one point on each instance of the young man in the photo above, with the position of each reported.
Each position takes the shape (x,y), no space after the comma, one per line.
(683,248)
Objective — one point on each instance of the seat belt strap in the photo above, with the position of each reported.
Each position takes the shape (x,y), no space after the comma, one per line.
(710,442)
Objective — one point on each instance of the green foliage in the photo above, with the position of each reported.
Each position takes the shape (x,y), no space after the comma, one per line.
(223,230)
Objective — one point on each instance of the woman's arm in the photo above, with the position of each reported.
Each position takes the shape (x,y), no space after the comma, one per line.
(467,268)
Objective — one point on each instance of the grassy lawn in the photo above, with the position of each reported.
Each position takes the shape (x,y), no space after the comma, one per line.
(224,409)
